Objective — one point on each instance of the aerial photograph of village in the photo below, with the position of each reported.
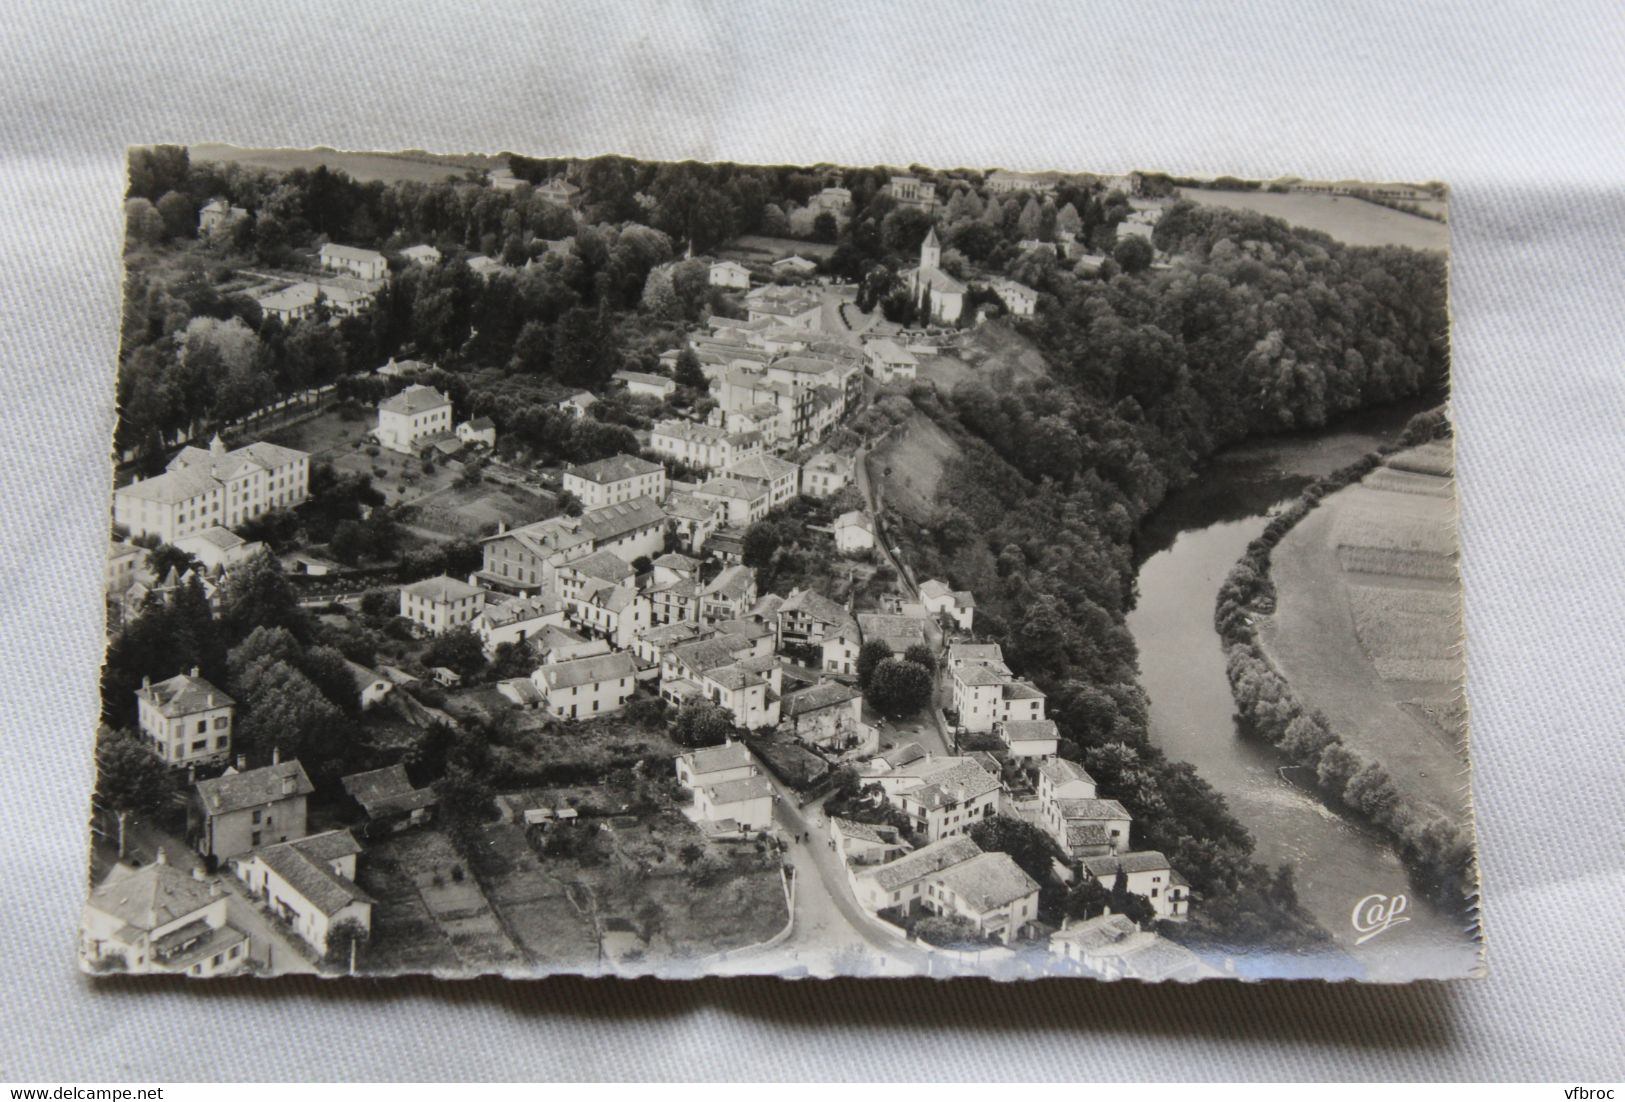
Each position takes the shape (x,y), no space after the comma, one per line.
(527,566)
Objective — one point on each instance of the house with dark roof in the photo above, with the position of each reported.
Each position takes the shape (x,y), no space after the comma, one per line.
(241,811)
(1082,825)
(309,884)
(185,719)
(616,479)
(390,802)
(990,891)
(806,616)
(160,918)
(900,884)
(828,714)
(586,687)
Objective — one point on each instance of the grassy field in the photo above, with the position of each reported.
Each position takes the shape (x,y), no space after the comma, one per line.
(1368,623)
(1349,220)
(363,167)
(911,463)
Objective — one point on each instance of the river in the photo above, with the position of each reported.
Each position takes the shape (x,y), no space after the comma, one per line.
(1186,549)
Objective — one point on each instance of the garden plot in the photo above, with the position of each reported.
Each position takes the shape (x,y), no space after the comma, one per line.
(1409,634)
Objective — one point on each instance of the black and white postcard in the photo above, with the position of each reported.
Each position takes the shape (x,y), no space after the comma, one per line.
(532,566)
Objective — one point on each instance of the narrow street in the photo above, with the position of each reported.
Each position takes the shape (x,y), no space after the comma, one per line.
(832,933)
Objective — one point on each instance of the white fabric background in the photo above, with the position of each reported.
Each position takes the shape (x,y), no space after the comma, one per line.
(1519,106)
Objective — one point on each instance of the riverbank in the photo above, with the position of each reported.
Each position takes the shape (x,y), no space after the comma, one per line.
(1433,843)
(1184,551)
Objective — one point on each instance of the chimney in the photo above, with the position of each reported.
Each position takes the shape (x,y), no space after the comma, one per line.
(242,762)
(287,785)
(215,891)
(146,682)
(215,801)
(195,671)
(198,874)
(276,755)
(211,700)
(162,858)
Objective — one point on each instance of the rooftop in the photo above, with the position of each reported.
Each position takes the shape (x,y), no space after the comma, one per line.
(150,897)
(614,469)
(867,832)
(826,694)
(988,881)
(588,671)
(1092,809)
(311,876)
(744,788)
(442,589)
(924,861)
(184,694)
(762,466)
(603,565)
(613,521)
(350,252)
(416,398)
(1106,868)
(714,759)
(233,791)
(385,791)
(1061,771)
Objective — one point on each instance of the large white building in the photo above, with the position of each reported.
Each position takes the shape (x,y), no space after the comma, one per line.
(361,263)
(985,692)
(309,883)
(614,480)
(185,718)
(442,604)
(160,918)
(586,687)
(702,447)
(413,417)
(728,273)
(214,487)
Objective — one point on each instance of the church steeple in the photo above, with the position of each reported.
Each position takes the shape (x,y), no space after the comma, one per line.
(930,251)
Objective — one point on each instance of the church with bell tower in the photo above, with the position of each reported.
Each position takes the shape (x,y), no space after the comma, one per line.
(947,294)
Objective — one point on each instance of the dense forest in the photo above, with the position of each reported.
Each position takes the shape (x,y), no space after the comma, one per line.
(1253,328)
